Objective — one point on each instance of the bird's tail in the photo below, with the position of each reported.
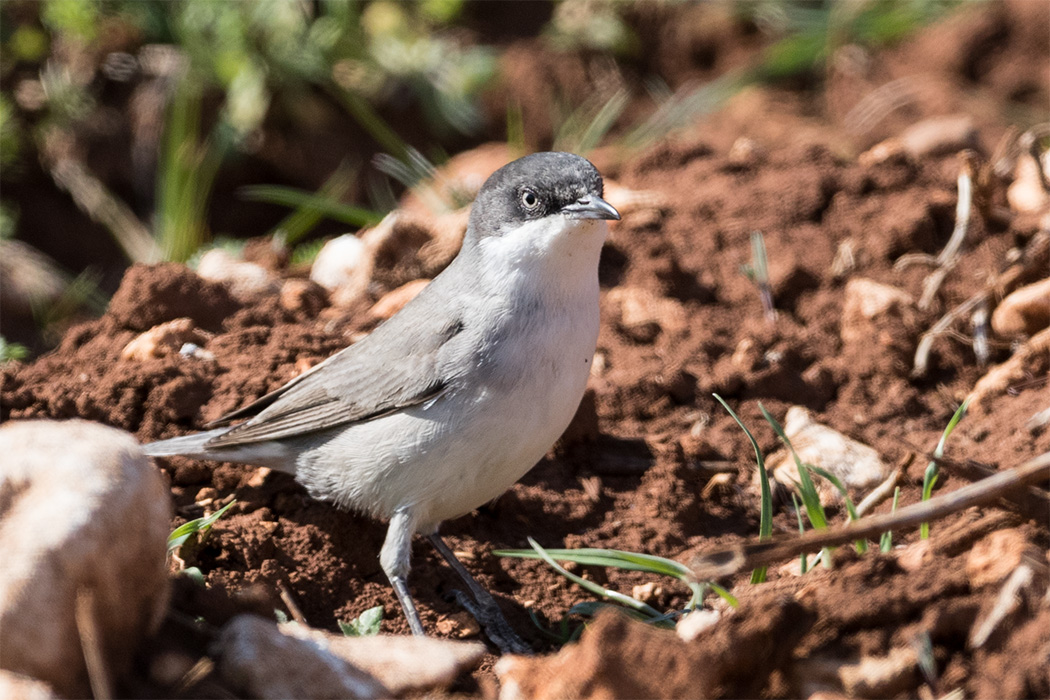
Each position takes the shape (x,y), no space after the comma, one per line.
(187,445)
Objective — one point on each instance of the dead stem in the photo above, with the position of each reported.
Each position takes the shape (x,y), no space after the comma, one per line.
(289,602)
(1034,256)
(880,493)
(91,645)
(715,565)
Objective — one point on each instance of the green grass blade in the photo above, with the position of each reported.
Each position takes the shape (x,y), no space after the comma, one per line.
(861,545)
(594,588)
(804,565)
(319,205)
(608,557)
(886,541)
(929,478)
(765,524)
(370,121)
(198,527)
(808,492)
(724,594)
(307,214)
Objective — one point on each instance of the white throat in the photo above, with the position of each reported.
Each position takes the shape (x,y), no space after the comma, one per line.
(555,256)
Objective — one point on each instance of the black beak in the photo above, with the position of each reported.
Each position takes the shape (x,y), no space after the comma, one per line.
(591,207)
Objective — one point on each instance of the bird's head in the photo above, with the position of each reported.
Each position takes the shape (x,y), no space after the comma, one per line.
(539,204)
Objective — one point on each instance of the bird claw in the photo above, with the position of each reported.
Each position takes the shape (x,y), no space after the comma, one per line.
(494,624)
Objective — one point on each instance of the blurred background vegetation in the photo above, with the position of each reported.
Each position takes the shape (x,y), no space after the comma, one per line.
(144,130)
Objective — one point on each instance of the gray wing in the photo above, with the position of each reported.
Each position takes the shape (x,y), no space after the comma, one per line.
(399,365)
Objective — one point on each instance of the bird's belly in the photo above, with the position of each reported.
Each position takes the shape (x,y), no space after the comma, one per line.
(445,458)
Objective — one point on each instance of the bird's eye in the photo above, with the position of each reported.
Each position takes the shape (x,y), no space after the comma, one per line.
(529,199)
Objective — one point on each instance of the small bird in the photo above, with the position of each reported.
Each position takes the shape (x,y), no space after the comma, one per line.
(454,398)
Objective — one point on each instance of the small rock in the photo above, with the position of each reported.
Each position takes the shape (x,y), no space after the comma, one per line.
(206,494)
(647,592)
(392,302)
(400,663)
(1024,311)
(85,513)
(244,279)
(460,625)
(348,267)
(163,340)
(339,261)
(995,557)
(746,152)
(930,137)
(1026,193)
(643,315)
(856,465)
(1027,361)
(867,300)
(696,623)
(304,297)
(263,662)
(915,555)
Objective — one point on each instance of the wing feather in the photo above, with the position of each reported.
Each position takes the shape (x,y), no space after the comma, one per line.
(401,364)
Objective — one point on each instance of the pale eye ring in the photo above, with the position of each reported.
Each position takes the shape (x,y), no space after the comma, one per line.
(529,200)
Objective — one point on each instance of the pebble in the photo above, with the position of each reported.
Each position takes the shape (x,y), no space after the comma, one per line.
(1025,311)
(401,663)
(263,662)
(856,465)
(244,279)
(164,339)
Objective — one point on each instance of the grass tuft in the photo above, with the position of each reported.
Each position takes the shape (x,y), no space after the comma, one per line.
(929,478)
(622,560)
(765,526)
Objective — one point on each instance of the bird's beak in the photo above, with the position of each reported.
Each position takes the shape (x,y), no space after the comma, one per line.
(591,207)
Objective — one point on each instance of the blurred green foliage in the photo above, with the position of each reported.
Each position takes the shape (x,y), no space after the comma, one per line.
(810,30)
(242,57)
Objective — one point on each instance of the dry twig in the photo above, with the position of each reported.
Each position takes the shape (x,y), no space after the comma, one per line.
(289,602)
(727,562)
(1033,258)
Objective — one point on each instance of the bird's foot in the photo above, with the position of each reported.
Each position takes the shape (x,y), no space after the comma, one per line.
(493,623)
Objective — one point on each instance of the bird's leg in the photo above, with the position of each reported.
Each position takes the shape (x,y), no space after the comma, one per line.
(484,607)
(395,559)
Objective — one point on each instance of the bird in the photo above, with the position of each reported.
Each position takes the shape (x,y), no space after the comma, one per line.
(446,404)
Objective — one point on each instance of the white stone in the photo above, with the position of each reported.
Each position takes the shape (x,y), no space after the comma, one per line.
(401,663)
(82,511)
(337,261)
(866,301)
(855,464)
(263,662)
(243,278)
